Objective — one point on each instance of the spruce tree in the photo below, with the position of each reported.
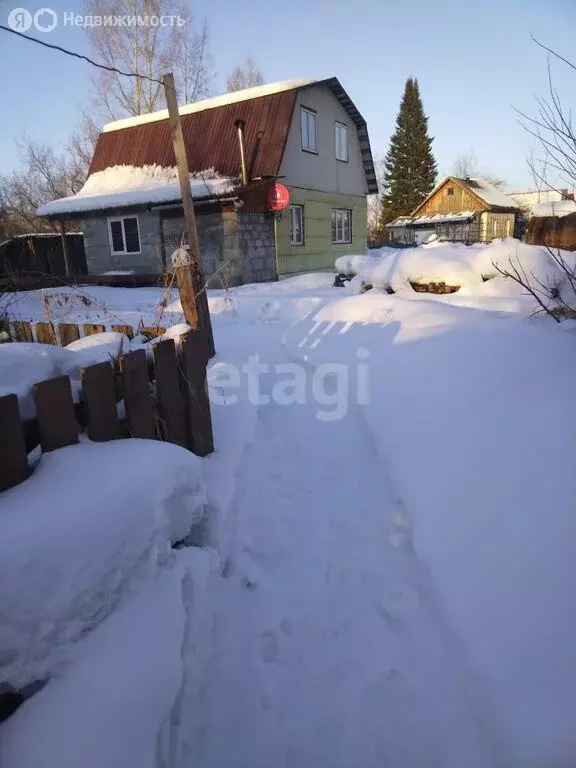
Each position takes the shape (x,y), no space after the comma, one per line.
(409,167)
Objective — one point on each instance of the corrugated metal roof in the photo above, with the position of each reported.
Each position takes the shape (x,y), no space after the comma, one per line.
(211,137)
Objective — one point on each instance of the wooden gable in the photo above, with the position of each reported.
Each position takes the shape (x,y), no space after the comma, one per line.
(450,197)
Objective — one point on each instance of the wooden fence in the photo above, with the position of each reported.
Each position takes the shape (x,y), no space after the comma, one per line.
(32,282)
(178,413)
(66,333)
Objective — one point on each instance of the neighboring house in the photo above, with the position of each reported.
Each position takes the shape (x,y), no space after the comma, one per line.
(528,199)
(307,135)
(463,210)
(42,253)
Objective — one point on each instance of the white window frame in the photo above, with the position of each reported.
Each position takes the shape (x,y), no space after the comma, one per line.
(110,238)
(306,114)
(342,215)
(341,141)
(292,211)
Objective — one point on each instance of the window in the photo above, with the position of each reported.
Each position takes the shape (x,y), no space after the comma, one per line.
(341,226)
(450,191)
(296,225)
(341,139)
(124,235)
(308,130)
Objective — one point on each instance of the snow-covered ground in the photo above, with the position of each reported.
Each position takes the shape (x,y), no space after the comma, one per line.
(391,573)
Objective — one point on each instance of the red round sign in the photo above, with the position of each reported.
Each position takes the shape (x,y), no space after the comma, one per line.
(278,197)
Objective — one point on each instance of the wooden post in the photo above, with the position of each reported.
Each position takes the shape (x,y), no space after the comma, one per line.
(189,276)
(65,248)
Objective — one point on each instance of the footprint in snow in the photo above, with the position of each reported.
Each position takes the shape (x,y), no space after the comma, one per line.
(397,604)
(269,646)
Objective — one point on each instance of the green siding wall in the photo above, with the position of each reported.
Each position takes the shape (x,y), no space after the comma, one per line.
(318,251)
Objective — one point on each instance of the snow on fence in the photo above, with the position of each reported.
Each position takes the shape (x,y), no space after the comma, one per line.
(66,333)
(178,413)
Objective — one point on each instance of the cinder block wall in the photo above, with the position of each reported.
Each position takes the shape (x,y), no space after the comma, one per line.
(236,247)
(99,257)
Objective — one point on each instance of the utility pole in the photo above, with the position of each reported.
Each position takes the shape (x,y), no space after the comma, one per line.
(189,276)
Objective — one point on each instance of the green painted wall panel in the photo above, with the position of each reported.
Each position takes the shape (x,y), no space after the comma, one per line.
(318,251)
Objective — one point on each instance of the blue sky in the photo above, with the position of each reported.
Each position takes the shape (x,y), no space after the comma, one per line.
(472,61)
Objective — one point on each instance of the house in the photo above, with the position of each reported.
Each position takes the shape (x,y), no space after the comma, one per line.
(42,253)
(463,210)
(305,134)
(526,200)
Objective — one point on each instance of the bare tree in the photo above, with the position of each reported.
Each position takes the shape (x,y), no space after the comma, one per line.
(246,75)
(466,166)
(552,127)
(45,176)
(191,61)
(80,149)
(553,163)
(149,50)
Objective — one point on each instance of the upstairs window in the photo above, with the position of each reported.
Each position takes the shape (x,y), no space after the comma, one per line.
(296,225)
(308,120)
(341,226)
(450,191)
(124,235)
(341,140)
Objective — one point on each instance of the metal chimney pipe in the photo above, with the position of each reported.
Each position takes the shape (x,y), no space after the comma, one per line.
(240,129)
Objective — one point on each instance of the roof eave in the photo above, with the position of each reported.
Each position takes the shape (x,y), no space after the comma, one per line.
(73,215)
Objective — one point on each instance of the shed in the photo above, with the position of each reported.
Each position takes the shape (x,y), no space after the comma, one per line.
(42,253)
(462,210)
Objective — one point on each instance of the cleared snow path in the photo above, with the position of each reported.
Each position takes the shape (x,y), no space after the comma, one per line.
(327,646)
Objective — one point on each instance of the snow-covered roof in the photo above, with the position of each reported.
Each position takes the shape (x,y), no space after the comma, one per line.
(489,193)
(438,218)
(124,185)
(554,208)
(216,101)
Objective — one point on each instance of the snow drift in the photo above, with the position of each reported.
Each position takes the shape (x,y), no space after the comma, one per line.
(94,522)
(457,265)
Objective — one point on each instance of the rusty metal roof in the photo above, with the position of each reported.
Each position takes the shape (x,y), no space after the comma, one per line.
(211,140)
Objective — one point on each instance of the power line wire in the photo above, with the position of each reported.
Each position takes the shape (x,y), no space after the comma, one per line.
(80,56)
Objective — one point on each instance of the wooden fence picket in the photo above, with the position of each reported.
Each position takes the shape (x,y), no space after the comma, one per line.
(153,331)
(55,413)
(195,354)
(68,332)
(127,330)
(22,330)
(137,398)
(13,456)
(169,396)
(99,392)
(45,333)
(91,328)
